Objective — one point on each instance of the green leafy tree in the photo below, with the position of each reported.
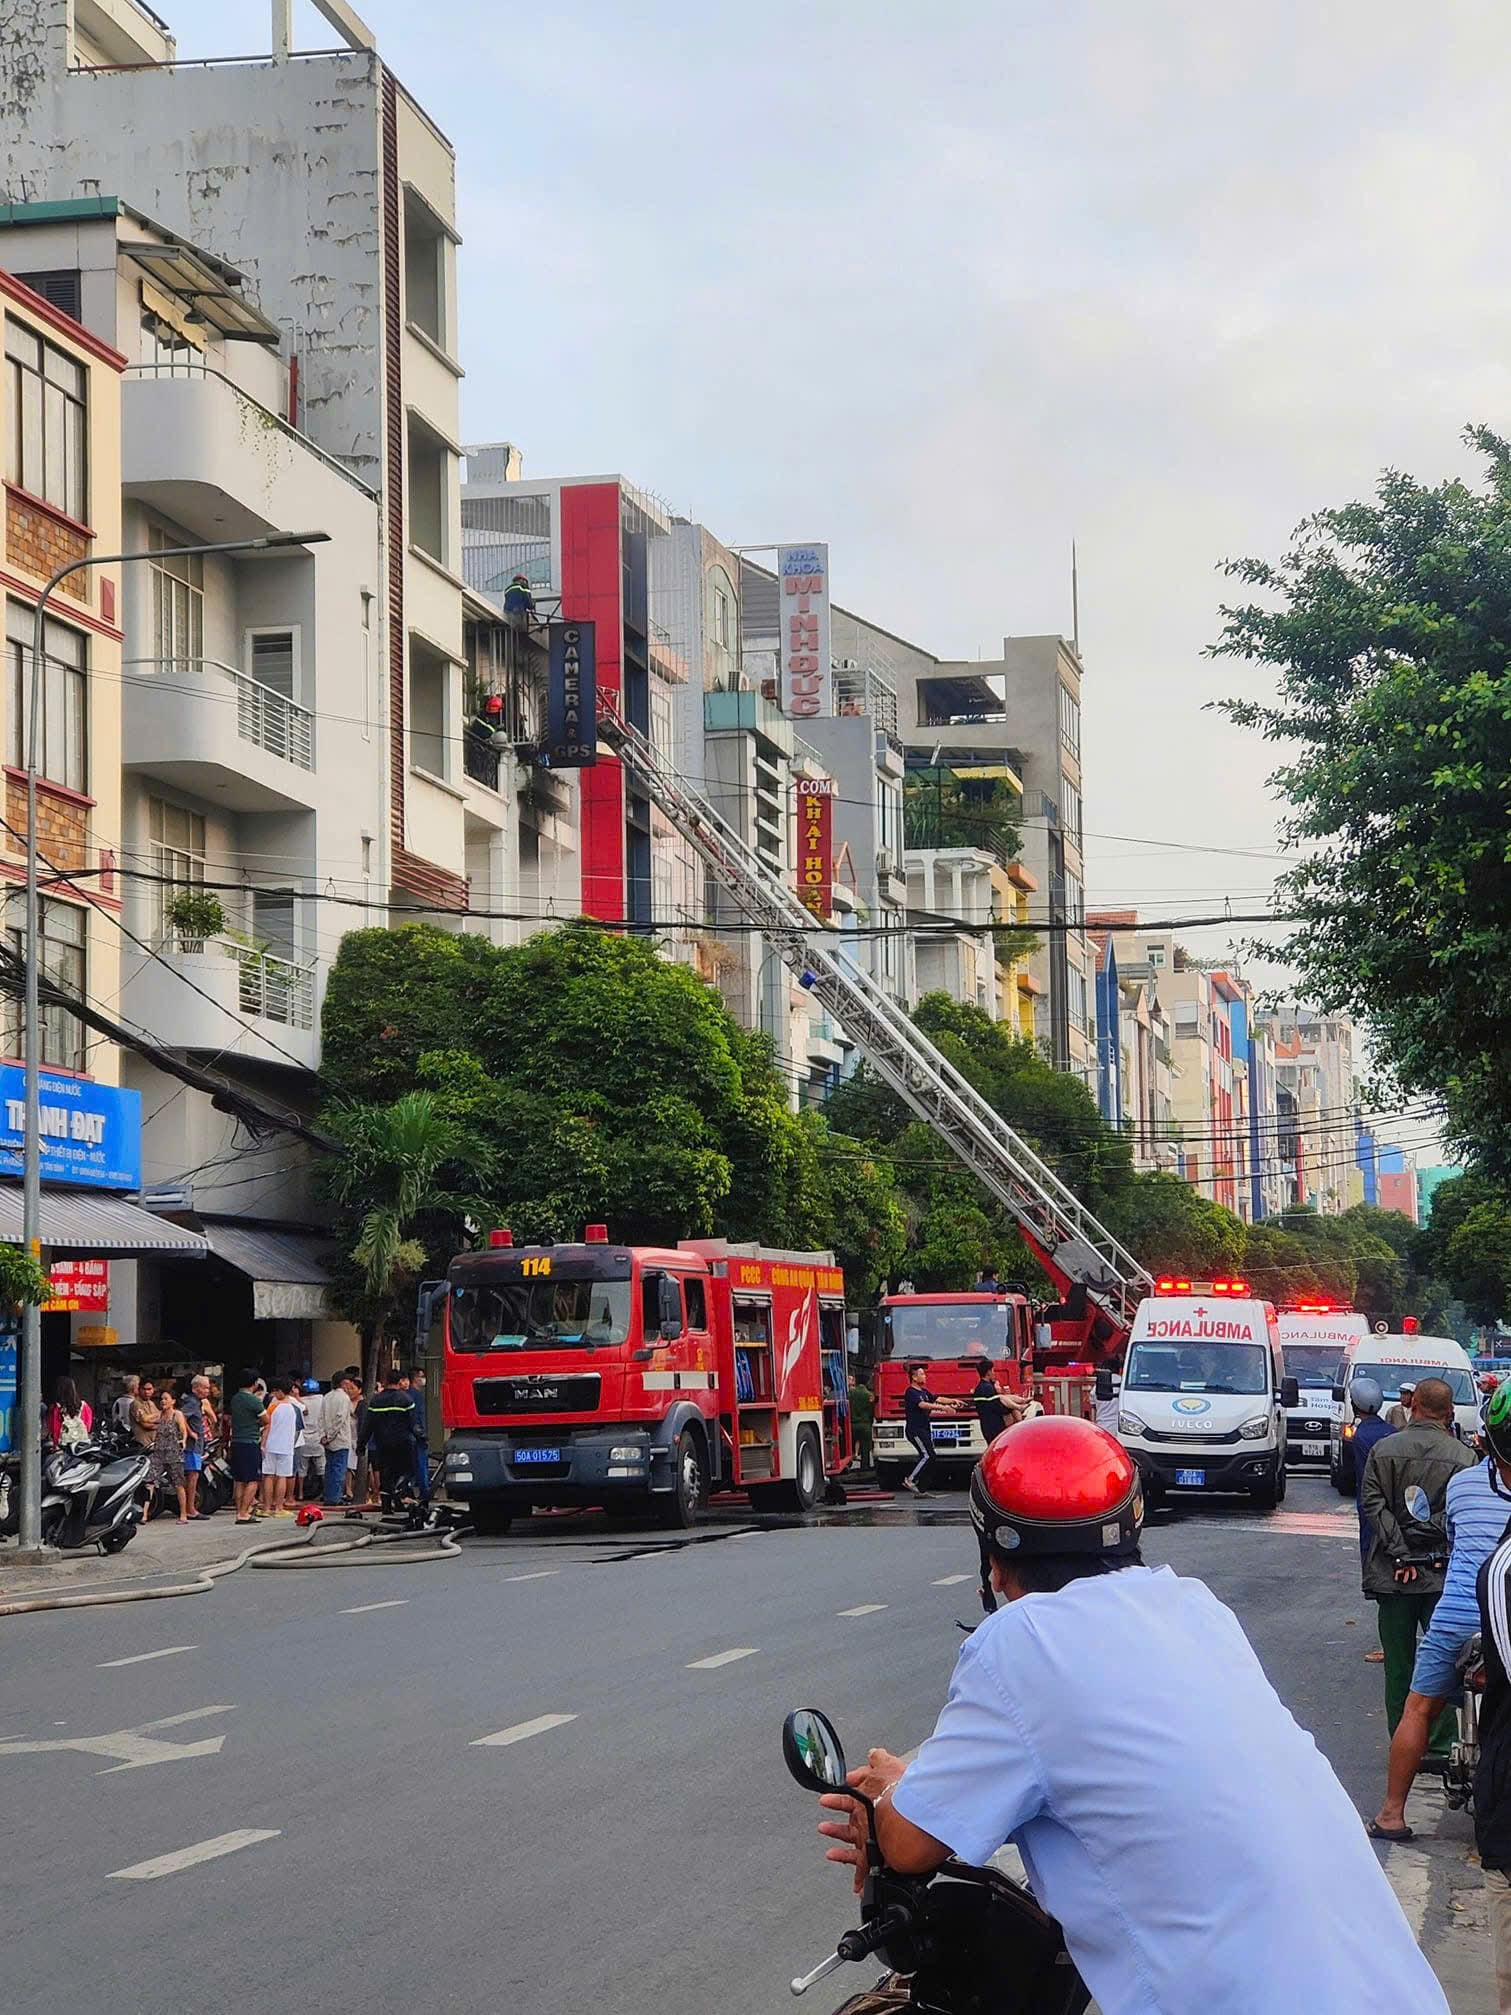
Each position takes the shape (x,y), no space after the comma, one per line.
(1389,626)
(1170,1228)
(399,1187)
(24,1281)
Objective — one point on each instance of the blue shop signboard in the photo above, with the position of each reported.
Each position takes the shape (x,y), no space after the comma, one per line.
(91,1133)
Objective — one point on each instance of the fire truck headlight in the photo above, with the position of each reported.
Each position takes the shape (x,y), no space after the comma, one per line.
(626,1455)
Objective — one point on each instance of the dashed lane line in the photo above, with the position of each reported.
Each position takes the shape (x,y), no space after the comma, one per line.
(537,1574)
(722,1658)
(190,1857)
(862,1609)
(523,1730)
(951,1580)
(142,1657)
(363,1608)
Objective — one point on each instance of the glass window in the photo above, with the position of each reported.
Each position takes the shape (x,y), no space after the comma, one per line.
(694,1301)
(1075,899)
(661,722)
(1187,1017)
(1077,997)
(46,420)
(565,1314)
(1070,810)
(177,839)
(1190,1367)
(178,601)
(63,755)
(1157,958)
(64,933)
(1070,721)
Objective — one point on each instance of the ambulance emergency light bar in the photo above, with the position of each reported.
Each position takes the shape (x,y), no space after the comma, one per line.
(1317,1308)
(1166,1284)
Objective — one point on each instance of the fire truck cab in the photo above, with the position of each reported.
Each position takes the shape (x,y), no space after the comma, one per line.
(950,1333)
(639,1378)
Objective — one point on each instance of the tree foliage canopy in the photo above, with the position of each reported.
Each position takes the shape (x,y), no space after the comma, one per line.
(1389,626)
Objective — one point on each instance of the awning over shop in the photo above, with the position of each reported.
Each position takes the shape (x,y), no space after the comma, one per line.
(285,1268)
(103,1227)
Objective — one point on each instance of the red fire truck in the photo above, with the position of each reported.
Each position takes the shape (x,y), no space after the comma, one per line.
(639,1378)
(949,1333)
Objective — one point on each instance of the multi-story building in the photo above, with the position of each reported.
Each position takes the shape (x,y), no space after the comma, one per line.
(60,452)
(1019,717)
(249,767)
(319,178)
(1315,1089)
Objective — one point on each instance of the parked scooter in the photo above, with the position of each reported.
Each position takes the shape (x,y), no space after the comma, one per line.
(93,1494)
(1464,1756)
(963,1941)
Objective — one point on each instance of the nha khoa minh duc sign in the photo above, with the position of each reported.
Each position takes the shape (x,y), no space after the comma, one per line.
(807,679)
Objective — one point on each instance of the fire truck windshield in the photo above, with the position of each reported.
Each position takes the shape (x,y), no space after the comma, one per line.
(945,1331)
(543,1314)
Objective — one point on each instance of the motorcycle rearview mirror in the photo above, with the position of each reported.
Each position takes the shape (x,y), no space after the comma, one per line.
(1337,1392)
(813,1751)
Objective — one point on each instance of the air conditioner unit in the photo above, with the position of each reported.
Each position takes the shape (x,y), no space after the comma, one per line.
(849,664)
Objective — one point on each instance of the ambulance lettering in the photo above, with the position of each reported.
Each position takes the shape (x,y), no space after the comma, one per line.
(1206,1329)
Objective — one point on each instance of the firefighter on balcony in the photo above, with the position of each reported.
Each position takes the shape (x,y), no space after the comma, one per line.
(519,603)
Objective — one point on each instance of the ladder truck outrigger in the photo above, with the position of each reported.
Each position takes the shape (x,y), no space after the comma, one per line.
(1099,1282)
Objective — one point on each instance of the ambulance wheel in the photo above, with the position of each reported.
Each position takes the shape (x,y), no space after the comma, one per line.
(1268,1494)
(803,1490)
(679,1507)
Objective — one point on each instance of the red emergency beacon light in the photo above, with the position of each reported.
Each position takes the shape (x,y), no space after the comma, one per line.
(503,1236)
(1167,1284)
(1410,1325)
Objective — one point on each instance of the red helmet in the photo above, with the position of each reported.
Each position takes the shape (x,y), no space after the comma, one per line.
(1057,1485)
(309,1514)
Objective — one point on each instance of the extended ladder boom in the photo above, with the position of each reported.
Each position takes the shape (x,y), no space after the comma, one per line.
(1073,1247)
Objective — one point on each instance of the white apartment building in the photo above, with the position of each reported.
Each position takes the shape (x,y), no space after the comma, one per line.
(1317,1094)
(317,177)
(251,760)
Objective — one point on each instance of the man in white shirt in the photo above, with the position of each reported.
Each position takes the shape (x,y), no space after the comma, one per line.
(338,1433)
(1113,1722)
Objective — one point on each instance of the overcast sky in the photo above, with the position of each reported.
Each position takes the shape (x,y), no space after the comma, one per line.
(953,285)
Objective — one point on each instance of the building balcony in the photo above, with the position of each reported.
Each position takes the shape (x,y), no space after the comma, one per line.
(195,1001)
(213,460)
(208,729)
(1027,984)
(1020,877)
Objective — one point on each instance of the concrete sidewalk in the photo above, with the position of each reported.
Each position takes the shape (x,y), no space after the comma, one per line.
(163,1551)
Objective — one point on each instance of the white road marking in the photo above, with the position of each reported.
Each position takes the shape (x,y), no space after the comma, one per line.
(722,1658)
(951,1580)
(362,1608)
(861,1609)
(142,1657)
(190,1857)
(523,1730)
(540,1574)
(135,1747)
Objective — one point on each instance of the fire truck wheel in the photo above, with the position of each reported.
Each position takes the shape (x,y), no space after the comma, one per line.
(492,1521)
(889,1475)
(679,1507)
(802,1492)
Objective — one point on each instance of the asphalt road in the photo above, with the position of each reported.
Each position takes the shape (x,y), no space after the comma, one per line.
(635,1846)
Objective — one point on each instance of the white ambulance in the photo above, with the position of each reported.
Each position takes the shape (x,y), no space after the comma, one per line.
(1205,1390)
(1392,1360)
(1315,1337)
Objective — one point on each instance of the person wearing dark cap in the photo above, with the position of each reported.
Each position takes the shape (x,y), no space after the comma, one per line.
(519,603)
(390,1438)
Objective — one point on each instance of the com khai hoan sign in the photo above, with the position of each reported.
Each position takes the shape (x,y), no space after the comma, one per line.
(815,845)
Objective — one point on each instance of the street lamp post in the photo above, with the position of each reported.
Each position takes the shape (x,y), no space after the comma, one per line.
(31,1140)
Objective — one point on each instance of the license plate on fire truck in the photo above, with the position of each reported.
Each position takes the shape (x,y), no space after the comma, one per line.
(946,1437)
(537,1455)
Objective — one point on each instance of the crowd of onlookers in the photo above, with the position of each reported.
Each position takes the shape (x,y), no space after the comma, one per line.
(285,1440)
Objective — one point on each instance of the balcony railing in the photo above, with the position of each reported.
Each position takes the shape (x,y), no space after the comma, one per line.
(859,690)
(173,367)
(263,717)
(277,989)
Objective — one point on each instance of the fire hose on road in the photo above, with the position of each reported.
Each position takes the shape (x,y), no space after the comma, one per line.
(303,1552)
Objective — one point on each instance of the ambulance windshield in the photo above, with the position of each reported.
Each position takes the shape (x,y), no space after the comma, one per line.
(1197,1367)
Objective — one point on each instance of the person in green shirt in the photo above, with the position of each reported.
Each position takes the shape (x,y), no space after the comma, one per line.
(247,1410)
(862,1420)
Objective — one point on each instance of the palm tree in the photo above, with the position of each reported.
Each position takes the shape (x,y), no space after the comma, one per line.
(396,1176)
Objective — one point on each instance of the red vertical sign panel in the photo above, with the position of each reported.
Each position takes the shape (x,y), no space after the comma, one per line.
(815,845)
(592,592)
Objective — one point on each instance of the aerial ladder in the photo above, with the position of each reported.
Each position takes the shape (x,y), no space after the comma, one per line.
(1100,1283)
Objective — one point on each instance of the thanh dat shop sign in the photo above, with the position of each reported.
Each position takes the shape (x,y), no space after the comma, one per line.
(91,1134)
